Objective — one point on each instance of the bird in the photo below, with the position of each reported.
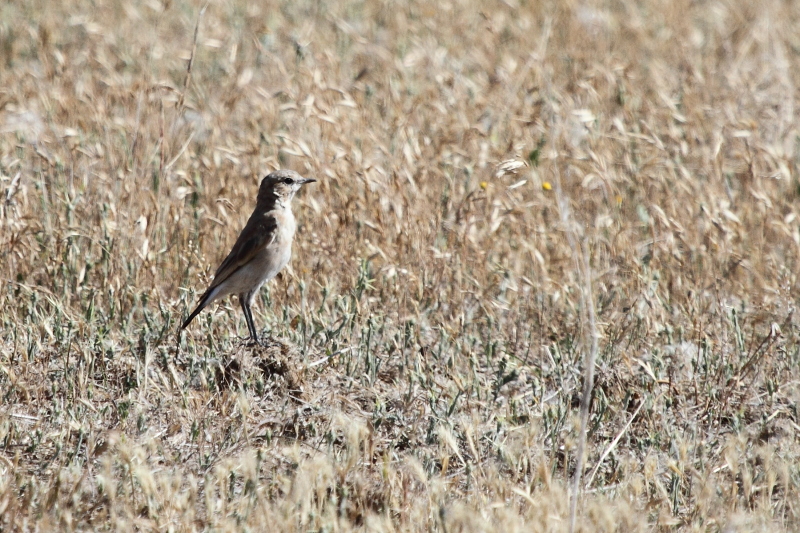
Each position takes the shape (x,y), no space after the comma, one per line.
(262,249)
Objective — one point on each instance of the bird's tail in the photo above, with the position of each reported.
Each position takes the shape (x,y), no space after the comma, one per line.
(207,298)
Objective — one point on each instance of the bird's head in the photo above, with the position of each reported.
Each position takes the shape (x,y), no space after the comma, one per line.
(281,185)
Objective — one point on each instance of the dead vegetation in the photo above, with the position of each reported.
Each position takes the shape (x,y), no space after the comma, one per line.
(425,370)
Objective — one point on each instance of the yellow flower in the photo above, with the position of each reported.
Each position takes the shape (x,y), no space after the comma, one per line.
(484,185)
(546,186)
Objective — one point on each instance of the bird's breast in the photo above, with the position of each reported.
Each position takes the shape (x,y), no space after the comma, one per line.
(286,226)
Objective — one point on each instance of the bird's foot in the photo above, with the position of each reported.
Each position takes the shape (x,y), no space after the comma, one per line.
(251,342)
(256,341)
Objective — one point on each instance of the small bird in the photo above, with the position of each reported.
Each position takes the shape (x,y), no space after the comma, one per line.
(263,248)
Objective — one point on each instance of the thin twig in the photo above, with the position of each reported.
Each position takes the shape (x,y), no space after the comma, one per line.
(328,358)
(180,152)
(188,78)
(613,445)
(588,385)
(583,268)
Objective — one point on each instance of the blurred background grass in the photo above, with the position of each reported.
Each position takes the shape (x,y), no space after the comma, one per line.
(432,319)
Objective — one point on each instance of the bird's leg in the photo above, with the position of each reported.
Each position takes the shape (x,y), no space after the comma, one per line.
(252,326)
(248,317)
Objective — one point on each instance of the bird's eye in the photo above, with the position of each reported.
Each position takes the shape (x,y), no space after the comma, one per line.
(288,181)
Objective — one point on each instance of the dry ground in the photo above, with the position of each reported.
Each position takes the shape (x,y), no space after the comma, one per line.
(429,338)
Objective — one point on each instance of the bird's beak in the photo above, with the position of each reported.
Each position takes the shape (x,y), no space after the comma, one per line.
(307,180)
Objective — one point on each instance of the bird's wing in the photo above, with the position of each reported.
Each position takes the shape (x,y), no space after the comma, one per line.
(261,231)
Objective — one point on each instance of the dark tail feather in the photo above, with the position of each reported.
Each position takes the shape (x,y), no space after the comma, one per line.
(204,301)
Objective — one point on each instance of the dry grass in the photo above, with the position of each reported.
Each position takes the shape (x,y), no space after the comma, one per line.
(432,322)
